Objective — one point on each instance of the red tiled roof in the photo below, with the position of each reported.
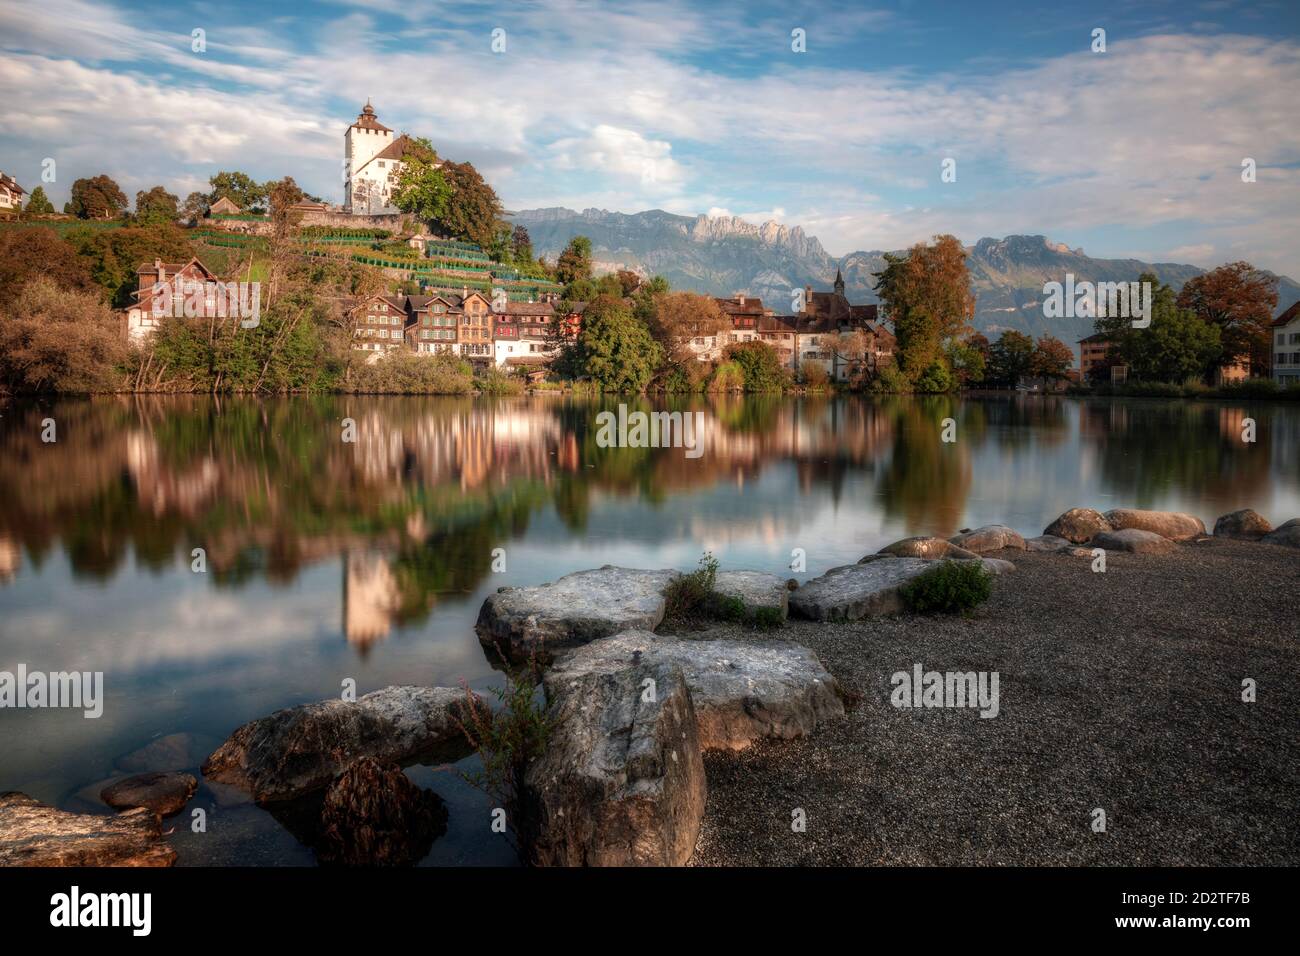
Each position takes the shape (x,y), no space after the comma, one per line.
(1288,316)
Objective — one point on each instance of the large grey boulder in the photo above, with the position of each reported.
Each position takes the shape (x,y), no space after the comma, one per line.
(759,593)
(1048,543)
(622,781)
(856,591)
(578,608)
(1286,534)
(742,690)
(1134,540)
(1174,525)
(992,537)
(1078,525)
(925,546)
(300,749)
(1246,523)
(35,834)
(163,793)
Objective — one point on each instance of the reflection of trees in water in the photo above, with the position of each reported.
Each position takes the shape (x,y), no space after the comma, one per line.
(1017,420)
(927,479)
(1148,449)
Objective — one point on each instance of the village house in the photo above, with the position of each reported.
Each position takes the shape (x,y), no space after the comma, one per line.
(1092,356)
(432,324)
(378,322)
(11,197)
(373,161)
(160,291)
(1286,347)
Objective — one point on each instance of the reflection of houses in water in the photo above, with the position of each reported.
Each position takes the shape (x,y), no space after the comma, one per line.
(162,489)
(467,448)
(370,599)
(11,558)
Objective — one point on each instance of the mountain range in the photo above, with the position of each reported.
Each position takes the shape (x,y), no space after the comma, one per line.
(727,255)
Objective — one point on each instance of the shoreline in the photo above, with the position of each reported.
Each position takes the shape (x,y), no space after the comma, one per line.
(1119,690)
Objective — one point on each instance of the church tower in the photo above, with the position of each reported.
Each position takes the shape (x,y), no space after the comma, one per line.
(839,283)
(364,140)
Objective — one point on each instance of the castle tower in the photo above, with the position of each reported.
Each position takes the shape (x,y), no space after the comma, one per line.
(839,283)
(364,140)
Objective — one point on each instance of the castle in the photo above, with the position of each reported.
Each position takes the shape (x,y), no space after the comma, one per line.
(372,160)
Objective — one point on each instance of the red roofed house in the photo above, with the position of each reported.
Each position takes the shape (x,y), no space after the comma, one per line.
(160,292)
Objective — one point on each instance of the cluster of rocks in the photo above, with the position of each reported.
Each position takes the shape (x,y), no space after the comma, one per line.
(622,782)
(1155,532)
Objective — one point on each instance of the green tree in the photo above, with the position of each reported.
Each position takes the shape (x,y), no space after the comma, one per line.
(967,360)
(113,255)
(472,211)
(761,366)
(195,205)
(239,188)
(574,264)
(521,245)
(96,198)
(38,204)
(1012,357)
(1178,344)
(422,190)
(155,206)
(614,348)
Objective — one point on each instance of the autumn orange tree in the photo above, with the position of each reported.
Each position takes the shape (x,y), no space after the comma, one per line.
(679,317)
(928,296)
(1240,300)
(1051,358)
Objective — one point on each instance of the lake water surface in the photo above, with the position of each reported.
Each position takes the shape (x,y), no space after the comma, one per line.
(329,560)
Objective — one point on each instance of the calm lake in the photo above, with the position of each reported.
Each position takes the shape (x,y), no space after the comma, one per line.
(328,560)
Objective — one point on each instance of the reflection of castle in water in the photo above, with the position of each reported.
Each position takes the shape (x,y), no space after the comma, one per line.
(370,599)
(11,557)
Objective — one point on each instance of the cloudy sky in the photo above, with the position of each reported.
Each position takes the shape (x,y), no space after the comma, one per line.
(705,108)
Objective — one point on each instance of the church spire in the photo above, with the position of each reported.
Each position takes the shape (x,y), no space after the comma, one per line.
(839,283)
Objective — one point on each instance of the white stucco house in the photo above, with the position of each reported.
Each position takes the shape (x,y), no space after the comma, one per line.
(1286,347)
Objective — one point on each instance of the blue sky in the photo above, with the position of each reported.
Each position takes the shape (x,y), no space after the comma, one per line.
(705,108)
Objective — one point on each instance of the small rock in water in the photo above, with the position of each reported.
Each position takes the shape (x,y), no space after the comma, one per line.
(300,749)
(163,793)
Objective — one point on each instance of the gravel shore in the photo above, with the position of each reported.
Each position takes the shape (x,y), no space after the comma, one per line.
(1119,690)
